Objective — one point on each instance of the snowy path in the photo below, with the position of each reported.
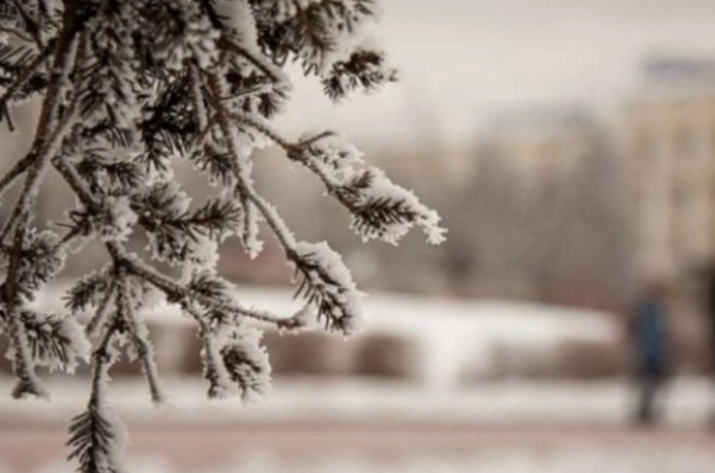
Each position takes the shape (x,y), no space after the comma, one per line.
(189,448)
(689,402)
(497,428)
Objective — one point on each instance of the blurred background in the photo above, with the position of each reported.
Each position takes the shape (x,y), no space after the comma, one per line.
(570,149)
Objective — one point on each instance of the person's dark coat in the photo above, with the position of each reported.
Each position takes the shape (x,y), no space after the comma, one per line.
(650,334)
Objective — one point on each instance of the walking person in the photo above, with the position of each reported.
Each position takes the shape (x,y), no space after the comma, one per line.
(649,332)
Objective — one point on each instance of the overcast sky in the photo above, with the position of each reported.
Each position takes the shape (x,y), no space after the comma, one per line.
(460,60)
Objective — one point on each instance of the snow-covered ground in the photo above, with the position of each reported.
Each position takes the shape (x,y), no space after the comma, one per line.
(584,460)
(687,401)
(594,459)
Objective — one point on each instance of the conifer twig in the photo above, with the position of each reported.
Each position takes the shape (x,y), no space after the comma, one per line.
(139,334)
(23,363)
(24,76)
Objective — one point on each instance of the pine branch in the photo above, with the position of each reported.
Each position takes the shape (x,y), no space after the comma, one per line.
(176,292)
(55,341)
(24,366)
(16,171)
(234,361)
(258,124)
(256,59)
(364,69)
(29,383)
(246,190)
(18,34)
(34,163)
(92,438)
(95,439)
(140,338)
(87,293)
(41,257)
(68,238)
(132,87)
(32,26)
(21,79)
(9,225)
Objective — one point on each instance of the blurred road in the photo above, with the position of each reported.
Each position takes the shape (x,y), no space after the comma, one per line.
(202,446)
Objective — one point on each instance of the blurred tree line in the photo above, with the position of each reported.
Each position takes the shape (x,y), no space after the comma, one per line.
(565,240)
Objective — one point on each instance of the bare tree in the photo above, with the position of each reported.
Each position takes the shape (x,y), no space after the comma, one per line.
(566,238)
(590,253)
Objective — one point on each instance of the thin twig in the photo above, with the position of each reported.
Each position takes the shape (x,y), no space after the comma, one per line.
(74,180)
(66,239)
(23,363)
(198,97)
(102,359)
(100,316)
(215,368)
(269,214)
(20,167)
(35,171)
(19,34)
(257,60)
(139,334)
(33,28)
(173,289)
(259,125)
(9,226)
(24,76)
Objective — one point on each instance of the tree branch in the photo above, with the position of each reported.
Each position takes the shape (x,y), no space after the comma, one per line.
(246,189)
(100,316)
(175,290)
(17,170)
(268,68)
(139,334)
(23,363)
(23,77)
(19,34)
(102,359)
(33,28)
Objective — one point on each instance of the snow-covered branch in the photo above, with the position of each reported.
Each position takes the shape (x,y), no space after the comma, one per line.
(140,338)
(127,89)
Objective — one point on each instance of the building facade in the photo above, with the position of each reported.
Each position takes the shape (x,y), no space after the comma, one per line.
(666,135)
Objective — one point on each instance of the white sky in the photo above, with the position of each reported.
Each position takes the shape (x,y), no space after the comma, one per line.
(461,59)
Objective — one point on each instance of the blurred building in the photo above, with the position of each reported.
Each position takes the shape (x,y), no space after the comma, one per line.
(542,143)
(667,136)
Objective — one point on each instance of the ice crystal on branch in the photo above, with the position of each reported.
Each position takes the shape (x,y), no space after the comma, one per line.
(326,283)
(127,89)
(235,363)
(364,69)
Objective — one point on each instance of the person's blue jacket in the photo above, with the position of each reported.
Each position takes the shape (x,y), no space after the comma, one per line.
(651,338)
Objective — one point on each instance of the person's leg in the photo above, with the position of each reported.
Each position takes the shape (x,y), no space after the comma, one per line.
(659,387)
(645,414)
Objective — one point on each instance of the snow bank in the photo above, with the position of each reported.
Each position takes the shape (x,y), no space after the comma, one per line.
(453,336)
